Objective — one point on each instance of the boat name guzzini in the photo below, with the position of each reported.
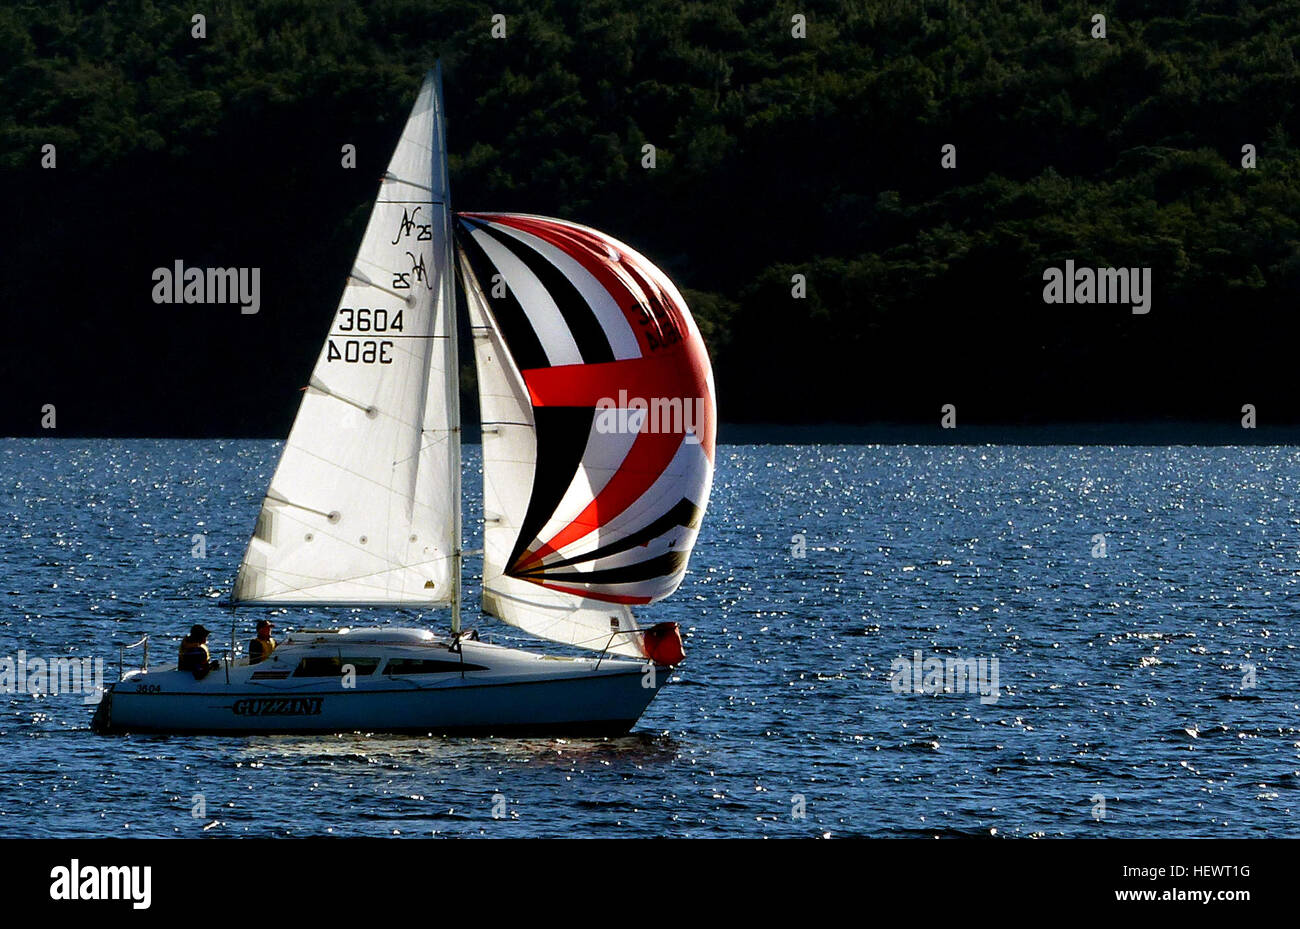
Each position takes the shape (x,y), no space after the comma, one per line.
(282,706)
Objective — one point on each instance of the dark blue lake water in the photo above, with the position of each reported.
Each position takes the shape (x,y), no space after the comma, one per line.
(1139,602)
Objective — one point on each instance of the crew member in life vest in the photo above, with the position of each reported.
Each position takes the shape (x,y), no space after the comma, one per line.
(260,648)
(194,654)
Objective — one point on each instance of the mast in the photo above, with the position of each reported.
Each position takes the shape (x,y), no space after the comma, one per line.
(452,386)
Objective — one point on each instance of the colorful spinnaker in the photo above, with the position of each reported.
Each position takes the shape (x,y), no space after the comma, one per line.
(598,413)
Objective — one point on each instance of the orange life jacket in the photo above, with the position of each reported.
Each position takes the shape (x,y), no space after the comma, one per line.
(192,655)
(260,649)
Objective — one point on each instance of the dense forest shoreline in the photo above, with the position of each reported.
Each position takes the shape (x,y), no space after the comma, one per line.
(839,271)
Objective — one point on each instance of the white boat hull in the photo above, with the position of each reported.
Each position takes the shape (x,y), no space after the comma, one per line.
(479,689)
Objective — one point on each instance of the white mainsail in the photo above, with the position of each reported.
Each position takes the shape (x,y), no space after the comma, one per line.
(364,506)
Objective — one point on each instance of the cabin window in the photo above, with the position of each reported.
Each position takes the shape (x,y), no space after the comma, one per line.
(429,666)
(319,666)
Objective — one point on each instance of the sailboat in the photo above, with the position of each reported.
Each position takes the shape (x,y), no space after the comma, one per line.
(598,425)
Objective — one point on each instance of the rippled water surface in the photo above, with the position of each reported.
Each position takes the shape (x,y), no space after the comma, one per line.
(1159,679)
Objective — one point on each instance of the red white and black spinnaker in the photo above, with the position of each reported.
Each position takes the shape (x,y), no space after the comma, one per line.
(597,399)
(598,428)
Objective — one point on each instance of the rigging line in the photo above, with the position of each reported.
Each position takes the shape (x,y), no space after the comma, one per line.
(298,587)
(301,449)
(443,431)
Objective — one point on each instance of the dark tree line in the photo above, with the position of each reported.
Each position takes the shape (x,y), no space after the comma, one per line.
(776,156)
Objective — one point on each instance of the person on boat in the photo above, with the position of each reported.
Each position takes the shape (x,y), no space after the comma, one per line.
(260,648)
(194,655)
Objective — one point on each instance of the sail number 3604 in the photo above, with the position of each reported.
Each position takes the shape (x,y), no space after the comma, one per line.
(363,351)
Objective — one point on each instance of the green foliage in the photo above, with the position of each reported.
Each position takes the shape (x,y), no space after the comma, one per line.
(776,155)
